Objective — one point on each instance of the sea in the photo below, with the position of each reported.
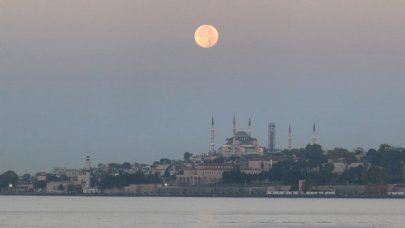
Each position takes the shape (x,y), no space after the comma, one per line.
(82,211)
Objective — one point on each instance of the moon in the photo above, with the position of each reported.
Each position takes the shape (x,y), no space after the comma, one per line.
(206,36)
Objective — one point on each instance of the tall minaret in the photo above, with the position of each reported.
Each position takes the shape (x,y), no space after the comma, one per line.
(289,137)
(234,125)
(212,143)
(234,135)
(250,128)
(88,171)
(313,135)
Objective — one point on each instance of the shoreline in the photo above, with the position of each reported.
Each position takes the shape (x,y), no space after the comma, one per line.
(207,195)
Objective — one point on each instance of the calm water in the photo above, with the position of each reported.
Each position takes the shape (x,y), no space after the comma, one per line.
(34,211)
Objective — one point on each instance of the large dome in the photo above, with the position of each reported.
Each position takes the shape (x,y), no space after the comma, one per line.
(243,138)
(241,134)
(241,143)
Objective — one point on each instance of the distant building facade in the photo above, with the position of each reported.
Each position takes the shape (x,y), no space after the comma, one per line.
(260,165)
(75,179)
(203,174)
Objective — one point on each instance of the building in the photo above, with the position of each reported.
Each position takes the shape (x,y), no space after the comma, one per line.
(339,167)
(241,143)
(58,186)
(41,176)
(78,176)
(160,169)
(272,137)
(203,174)
(75,180)
(261,165)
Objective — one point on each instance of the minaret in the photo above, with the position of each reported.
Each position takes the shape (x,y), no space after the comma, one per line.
(234,135)
(313,135)
(212,143)
(88,171)
(289,138)
(234,125)
(250,128)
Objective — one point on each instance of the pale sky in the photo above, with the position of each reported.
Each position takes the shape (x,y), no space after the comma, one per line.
(124,81)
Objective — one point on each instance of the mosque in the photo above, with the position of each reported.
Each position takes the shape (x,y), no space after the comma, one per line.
(240,144)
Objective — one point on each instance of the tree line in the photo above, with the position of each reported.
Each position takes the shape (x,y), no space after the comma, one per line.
(312,164)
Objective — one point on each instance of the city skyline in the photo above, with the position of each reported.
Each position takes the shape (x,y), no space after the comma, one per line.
(125,80)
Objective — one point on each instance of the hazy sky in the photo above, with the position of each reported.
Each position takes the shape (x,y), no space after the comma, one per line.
(124,81)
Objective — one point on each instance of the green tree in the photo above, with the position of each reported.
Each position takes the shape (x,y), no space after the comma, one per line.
(40,184)
(187,156)
(373,157)
(344,154)
(61,188)
(386,164)
(375,175)
(165,161)
(353,176)
(72,189)
(122,180)
(217,160)
(288,172)
(126,165)
(235,176)
(8,177)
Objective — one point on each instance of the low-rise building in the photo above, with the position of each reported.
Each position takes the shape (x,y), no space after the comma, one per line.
(262,165)
(160,169)
(341,167)
(203,174)
(57,186)
(41,176)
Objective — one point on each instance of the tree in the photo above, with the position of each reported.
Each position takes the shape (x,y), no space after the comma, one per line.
(314,156)
(373,157)
(40,184)
(122,180)
(217,160)
(8,177)
(61,188)
(353,176)
(386,164)
(126,165)
(187,156)
(374,175)
(235,176)
(344,154)
(288,172)
(72,188)
(51,177)
(165,161)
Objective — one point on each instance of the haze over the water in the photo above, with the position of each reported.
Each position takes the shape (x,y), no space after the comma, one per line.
(124,80)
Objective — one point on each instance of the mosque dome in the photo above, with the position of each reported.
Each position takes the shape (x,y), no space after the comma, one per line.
(241,143)
(242,134)
(243,138)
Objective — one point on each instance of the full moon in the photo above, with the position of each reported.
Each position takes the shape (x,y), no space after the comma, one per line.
(206,36)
